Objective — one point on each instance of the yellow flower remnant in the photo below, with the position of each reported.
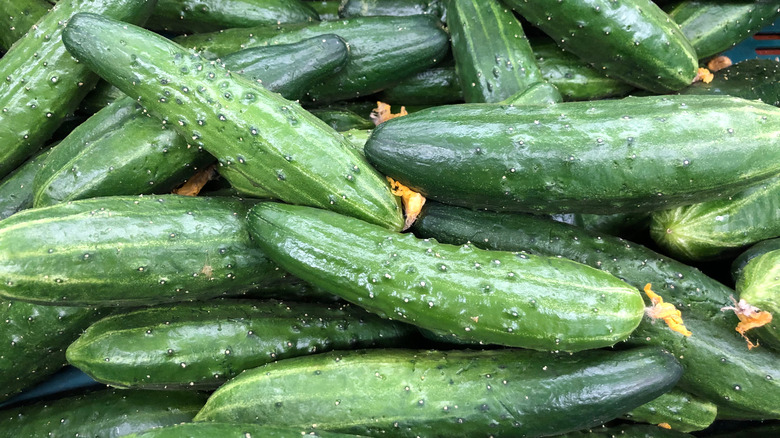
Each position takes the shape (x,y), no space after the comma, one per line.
(719,63)
(750,317)
(704,75)
(193,185)
(382,113)
(412,201)
(665,425)
(666,311)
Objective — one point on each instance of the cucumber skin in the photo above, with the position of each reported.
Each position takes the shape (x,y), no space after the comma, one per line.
(16,189)
(196,16)
(435,86)
(230,430)
(759,285)
(36,96)
(536,302)
(272,141)
(33,339)
(102,413)
(720,228)
(342,120)
(202,345)
(383,50)
(130,251)
(408,393)
(632,40)
(396,8)
(680,410)
(749,79)
(754,251)
(658,151)
(627,431)
(17,17)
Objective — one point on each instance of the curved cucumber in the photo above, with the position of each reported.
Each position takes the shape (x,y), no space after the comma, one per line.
(759,285)
(201,345)
(484,296)
(16,189)
(749,79)
(678,409)
(609,156)
(231,430)
(720,228)
(273,142)
(130,251)
(17,17)
(754,251)
(408,393)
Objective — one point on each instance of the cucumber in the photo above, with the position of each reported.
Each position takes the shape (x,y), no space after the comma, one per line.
(327,10)
(759,285)
(396,8)
(435,86)
(195,16)
(657,151)
(749,79)
(383,50)
(713,27)
(43,83)
(103,95)
(16,189)
(273,142)
(342,120)
(631,40)
(540,93)
(130,251)
(17,17)
(749,254)
(720,228)
(411,393)
(680,410)
(202,345)
(230,430)
(627,431)
(102,413)
(33,339)
(493,58)
(483,296)
(629,226)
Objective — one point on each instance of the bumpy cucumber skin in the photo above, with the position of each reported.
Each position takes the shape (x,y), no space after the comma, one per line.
(396,8)
(119,151)
(17,17)
(493,58)
(713,27)
(130,251)
(680,410)
(202,345)
(409,393)
(33,339)
(759,285)
(749,254)
(231,430)
(749,79)
(42,83)
(196,16)
(492,297)
(629,155)
(720,228)
(273,142)
(103,413)
(435,86)
(16,189)
(383,50)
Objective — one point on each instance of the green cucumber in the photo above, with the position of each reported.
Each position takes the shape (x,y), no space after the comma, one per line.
(435,86)
(196,16)
(33,339)
(16,189)
(749,79)
(130,251)
(626,225)
(383,50)
(327,10)
(610,156)
(103,95)
(749,254)
(231,430)
(342,119)
(410,393)
(358,138)
(759,285)
(632,40)
(102,413)
(202,345)
(678,409)
(17,17)
(396,8)
(483,296)
(713,27)
(540,93)
(493,58)
(720,228)
(42,83)
(627,431)
(273,142)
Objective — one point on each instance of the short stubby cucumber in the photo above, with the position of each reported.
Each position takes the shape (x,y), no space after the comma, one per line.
(232,430)
(16,189)
(748,79)
(411,393)
(201,345)
(678,409)
(759,286)
(493,297)
(130,251)
(272,141)
(609,156)
(17,17)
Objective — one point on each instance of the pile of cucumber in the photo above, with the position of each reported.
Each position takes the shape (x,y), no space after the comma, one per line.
(598,253)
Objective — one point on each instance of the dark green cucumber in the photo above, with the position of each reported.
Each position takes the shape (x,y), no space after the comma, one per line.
(720,228)
(678,409)
(16,189)
(383,50)
(327,10)
(196,16)
(33,339)
(493,58)
(629,226)
(610,156)
(130,251)
(435,86)
(759,285)
(749,79)
(410,393)
(342,119)
(749,254)
(714,26)
(202,345)
(627,431)
(632,40)
(483,296)
(396,8)
(231,430)
(17,17)
(42,83)
(273,142)
(102,413)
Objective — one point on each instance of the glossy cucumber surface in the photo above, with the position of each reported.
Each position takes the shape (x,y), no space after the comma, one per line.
(231,430)
(397,8)
(16,189)
(17,17)
(680,410)
(749,79)
(749,254)
(435,86)
(759,285)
